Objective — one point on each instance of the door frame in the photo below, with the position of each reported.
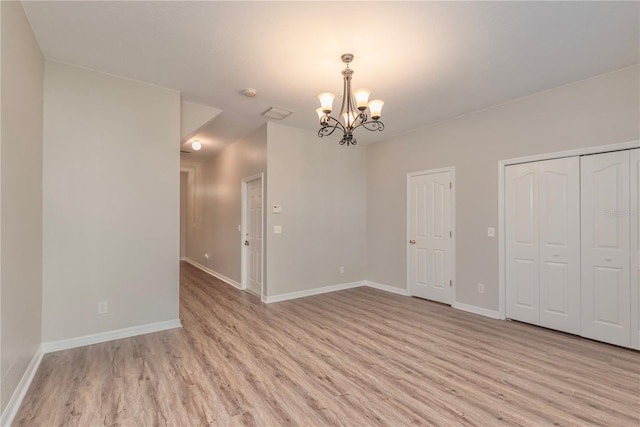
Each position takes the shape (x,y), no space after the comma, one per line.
(244,210)
(502,164)
(190,217)
(452,207)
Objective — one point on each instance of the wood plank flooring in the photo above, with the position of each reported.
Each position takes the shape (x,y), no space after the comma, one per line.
(359,357)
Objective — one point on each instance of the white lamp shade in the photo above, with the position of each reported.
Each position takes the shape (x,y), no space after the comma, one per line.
(375,108)
(196,145)
(362,97)
(326,101)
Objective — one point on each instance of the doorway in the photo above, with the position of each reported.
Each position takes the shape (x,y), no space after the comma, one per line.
(430,227)
(252,236)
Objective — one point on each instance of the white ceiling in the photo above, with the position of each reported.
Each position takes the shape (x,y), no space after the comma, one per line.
(429,61)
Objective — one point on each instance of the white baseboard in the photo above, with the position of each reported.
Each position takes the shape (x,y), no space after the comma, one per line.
(387,288)
(214,274)
(51,346)
(494,314)
(14,403)
(310,292)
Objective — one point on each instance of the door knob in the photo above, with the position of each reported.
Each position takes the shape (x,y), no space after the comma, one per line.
(246,243)
(413,242)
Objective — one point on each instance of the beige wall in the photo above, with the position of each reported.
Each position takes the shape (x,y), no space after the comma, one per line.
(214,211)
(21,196)
(598,111)
(111,202)
(321,188)
(184,187)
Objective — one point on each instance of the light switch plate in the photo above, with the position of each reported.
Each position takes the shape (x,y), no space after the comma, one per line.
(276,209)
(491,232)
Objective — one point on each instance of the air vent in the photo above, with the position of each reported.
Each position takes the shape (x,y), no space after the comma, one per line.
(276,113)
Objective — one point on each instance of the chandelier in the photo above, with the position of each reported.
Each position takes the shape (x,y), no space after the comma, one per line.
(353,111)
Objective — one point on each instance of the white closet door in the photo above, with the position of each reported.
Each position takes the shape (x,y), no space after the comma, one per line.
(605,234)
(635,248)
(559,242)
(522,242)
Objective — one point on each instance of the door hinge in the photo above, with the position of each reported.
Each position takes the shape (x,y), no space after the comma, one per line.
(450,283)
(450,185)
(451,234)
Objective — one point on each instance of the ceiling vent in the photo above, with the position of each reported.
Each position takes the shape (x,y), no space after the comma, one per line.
(276,113)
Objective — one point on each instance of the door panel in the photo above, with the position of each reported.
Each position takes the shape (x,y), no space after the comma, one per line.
(254,236)
(606,307)
(543,243)
(634,217)
(556,276)
(559,243)
(522,242)
(430,226)
(525,276)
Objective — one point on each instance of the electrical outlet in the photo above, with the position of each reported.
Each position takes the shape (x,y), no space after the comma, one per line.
(481,288)
(277,229)
(342,269)
(103,307)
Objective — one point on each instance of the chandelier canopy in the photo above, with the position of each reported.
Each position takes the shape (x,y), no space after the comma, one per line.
(353,111)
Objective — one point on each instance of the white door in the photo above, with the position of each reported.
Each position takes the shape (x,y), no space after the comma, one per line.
(543,243)
(634,215)
(606,306)
(559,224)
(253,236)
(430,236)
(521,236)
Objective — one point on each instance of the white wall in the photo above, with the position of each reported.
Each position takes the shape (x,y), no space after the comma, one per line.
(214,205)
(321,187)
(195,116)
(111,202)
(22,76)
(593,112)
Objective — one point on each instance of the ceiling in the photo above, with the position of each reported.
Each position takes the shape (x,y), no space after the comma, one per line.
(429,61)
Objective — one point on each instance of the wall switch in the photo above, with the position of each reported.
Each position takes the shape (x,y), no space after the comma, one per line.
(491,232)
(277,229)
(276,209)
(342,269)
(481,288)
(103,307)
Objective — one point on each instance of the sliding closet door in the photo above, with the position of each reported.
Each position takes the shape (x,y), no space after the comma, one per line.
(635,248)
(559,223)
(522,270)
(606,308)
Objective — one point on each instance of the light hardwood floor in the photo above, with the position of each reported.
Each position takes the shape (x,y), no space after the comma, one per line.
(358,357)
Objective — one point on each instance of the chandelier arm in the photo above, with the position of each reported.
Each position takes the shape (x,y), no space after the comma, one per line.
(371,125)
(327,129)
